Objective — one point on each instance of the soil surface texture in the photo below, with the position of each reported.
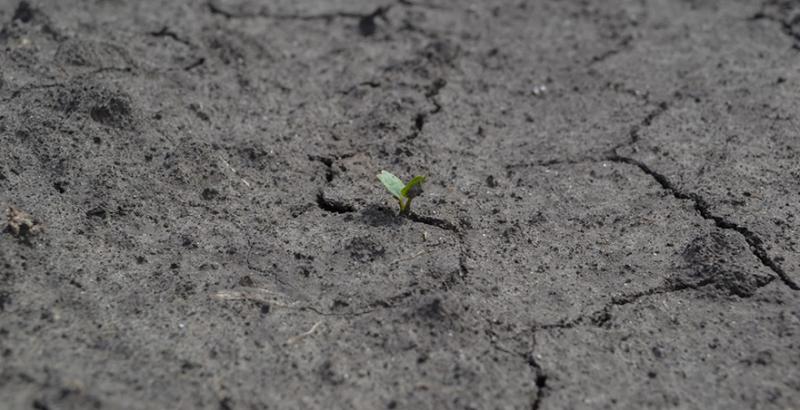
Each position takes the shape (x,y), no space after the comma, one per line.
(611,217)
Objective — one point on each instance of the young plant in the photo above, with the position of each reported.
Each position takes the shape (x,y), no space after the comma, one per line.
(403,192)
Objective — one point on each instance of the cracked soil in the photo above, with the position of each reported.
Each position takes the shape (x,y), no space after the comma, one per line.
(610,219)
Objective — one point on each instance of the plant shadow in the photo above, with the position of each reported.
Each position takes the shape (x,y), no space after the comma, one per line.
(380,215)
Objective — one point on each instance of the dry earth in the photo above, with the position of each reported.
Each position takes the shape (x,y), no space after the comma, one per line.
(611,218)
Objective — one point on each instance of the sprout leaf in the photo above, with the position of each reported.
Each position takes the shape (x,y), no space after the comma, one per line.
(392,183)
(404,193)
(414,187)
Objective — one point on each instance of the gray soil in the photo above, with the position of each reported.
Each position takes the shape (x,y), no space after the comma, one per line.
(610,221)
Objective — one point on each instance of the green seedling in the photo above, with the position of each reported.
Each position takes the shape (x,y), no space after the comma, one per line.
(403,192)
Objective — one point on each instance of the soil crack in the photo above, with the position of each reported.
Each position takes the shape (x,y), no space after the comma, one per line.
(703,208)
(540,380)
(634,134)
(332,205)
(432,221)
(409,3)
(197,63)
(623,45)
(551,162)
(601,317)
(368,83)
(330,173)
(166,32)
(786,26)
(421,118)
(633,138)
(540,376)
(366,21)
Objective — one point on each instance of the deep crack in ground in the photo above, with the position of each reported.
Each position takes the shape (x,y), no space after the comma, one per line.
(422,117)
(366,21)
(703,209)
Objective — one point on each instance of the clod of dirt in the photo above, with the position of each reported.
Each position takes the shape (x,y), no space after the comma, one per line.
(5,299)
(226,403)
(363,249)
(107,106)
(331,373)
(24,12)
(198,111)
(209,194)
(21,224)
(441,52)
(333,205)
(366,24)
(114,112)
(436,311)
(97,212)
(87,53)
(432,309)
(716,260)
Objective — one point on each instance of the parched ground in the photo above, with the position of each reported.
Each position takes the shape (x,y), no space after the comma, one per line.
(611,217)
